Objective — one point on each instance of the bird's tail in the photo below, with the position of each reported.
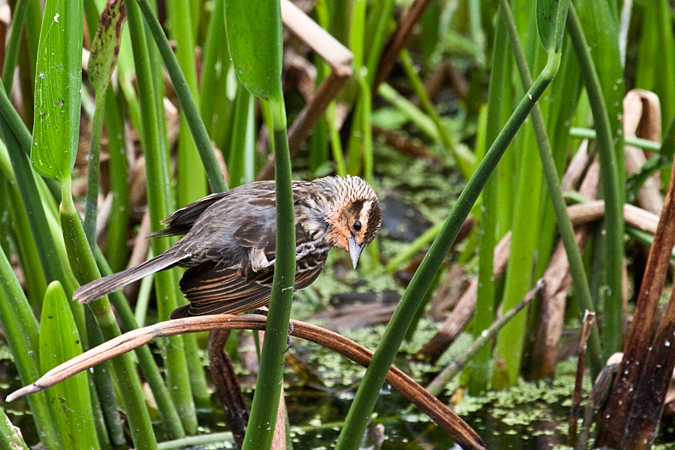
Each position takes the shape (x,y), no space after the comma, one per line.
(107,285)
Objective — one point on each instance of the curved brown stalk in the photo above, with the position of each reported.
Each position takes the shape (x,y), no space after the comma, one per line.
(446,419)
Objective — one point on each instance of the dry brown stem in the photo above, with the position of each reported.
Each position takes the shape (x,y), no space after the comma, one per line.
(404,144)
(641,352)
(597,398)
(404,29)
(338,57)
(642,117)
(595,210)
(575,410)
(447,420)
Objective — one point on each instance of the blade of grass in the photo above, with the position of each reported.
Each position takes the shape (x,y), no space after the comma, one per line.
(357,26)
(59,341)
(159,202)
(58,102)
(25,239)
(527,216)
(336,142)
(102,60)
(324,20)
(27,56)
(84,267)
(255,44)
(611,180)
(116,245)
(6,212)
(10,435)
(19,13)
(18,142)
(57,90)
(242,146)
(227,91)
(211,52)
(526,226)
(411,111)
(127,76)
(165,407)
(656,63)
(103,386)
(194,120)
(91,204)
(366,396)
(507,166)
(564,94)
(318,153)
(28,254)
(581,286)
(377,37)
(91,17)
(191,175)
(479,371)
(22,333)
(587,133)
(465,159)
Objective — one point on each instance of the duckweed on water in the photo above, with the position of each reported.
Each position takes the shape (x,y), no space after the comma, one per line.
(5,353)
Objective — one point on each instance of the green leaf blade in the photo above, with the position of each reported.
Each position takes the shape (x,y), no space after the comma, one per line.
(254,39)
(59,342)
(546,18)
(57,89)
(551,16)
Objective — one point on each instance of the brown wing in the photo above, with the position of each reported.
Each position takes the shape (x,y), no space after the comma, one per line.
(212,288)
(215,289)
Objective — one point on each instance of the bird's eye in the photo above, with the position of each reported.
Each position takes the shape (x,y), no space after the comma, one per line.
(357,225)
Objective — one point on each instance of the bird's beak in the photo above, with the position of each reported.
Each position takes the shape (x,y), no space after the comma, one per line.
(355,251)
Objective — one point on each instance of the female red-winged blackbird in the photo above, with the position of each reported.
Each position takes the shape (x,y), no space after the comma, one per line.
(230,241)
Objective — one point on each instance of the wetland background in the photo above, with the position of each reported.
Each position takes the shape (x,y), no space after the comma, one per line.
(530,142)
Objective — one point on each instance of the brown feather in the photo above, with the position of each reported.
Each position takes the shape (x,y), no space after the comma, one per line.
(214,289)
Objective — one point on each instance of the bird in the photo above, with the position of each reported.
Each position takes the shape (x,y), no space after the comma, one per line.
(229,240)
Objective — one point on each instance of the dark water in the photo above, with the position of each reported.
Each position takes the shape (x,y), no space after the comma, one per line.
(504,422)
(500,428)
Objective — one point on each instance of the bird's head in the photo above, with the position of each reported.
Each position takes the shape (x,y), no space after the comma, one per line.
(355,216)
